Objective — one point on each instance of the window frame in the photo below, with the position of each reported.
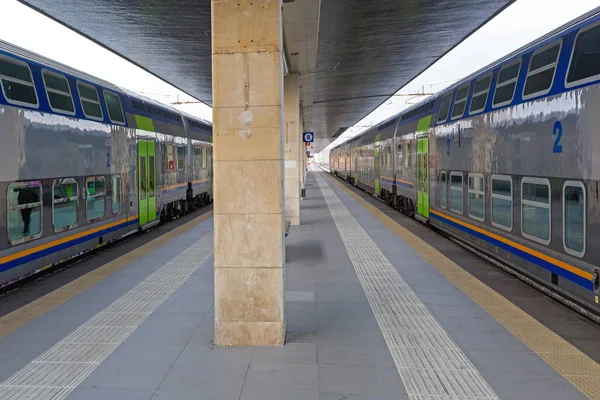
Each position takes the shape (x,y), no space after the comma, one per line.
(72,198)
(110,92)
(48,90)
(466,100)
(537,181)
(439,121)
(519,62)
(179,168)
(114,179)
(481,192)
(205,156)
(88,196)
(542,69)
(505,178)
(9,207)
(444,203)
(16,80)
(487,96)
(589,78)
(81,99)
(462,191)
(578,184)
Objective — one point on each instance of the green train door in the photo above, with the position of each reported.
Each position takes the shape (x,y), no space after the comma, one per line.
(147,181)
(377,164)
(423,176)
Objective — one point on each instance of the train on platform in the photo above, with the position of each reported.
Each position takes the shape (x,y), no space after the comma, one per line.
(507,161)
(84,162)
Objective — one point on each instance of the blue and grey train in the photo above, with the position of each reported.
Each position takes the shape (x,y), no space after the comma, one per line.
(84,163)
(507,160)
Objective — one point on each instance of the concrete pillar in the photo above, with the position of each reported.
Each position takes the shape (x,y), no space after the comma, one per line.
(248,172)
(291,149)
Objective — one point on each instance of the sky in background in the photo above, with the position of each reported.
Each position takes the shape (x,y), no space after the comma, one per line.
(519,24)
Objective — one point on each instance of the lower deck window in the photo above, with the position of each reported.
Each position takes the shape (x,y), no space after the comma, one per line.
(456,192)
(502,206)
(96,198)
(180,158)
(574,218)
(116,194)
(476,197)
(444,187)
(24,211)
(64,204)
(535,209)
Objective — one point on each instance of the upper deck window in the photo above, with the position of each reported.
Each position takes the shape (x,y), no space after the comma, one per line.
(585,60)
(480,94)
(541,70)
(444,108)
(58,92)
(17,84)
(507,82)
(90,101)
(113,104)
(461,101)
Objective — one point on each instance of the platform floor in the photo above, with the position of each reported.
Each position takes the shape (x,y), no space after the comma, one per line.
(372,313)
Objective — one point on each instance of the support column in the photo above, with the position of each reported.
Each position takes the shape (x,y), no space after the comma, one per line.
(248,172)
(291,148)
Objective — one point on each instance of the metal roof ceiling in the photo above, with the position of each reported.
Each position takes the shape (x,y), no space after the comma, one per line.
(367,49)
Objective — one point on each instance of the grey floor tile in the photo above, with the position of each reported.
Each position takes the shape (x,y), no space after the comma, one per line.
(497,341)
(210,354)
(354,396)
(376,356)
(300,295)
(300,321)
(280,395)
(291,353)
(134,351)
(336,308)
(474,326)
(347,321)
(358,337)
(459,311)
(192,393)
(127,375)
(207,378)
(112,394)
(360,380)
(267,377)
(446,299)
(497,362)
(166,329)
(522,387)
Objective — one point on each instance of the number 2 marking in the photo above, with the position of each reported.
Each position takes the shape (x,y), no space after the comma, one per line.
(108,160)
(557,148)
(448,142)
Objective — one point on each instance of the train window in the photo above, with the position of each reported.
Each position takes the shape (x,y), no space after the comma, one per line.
(58,92)
(197,157)
(180,158)
(480,94)
(541,70)
(90,101)
(574,220)
(400,155)
(204,158)
(64,204)
(506,84)
(476,197)
(170,158)
(444,108)
(444,189)
(24,211)
(95,198)
(585,60)
(389,157)
(151,178)
(115,110)
(17,84)
(408,160)
(502,203)
(456,192)
(116,194)
(461,101)
(535,209)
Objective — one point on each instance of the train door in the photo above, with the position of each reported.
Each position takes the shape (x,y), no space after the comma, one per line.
(377,164)
(147,181)
(423,176)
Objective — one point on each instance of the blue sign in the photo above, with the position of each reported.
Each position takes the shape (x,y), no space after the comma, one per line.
(308,137)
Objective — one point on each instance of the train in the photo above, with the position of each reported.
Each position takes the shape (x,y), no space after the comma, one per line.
(84,163)
(506,161)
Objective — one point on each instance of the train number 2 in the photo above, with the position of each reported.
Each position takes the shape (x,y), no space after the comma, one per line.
(558,131)
(108,160)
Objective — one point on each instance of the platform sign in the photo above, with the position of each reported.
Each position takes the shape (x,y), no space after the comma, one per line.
(308,137)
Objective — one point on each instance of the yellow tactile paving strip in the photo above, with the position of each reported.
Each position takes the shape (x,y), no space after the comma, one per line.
(22,316)
(566,359)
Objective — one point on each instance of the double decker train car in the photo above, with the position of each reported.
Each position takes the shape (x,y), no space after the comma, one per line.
(84,162)
(507,160)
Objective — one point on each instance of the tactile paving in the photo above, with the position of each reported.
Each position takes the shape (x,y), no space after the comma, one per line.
(58,371)
(430,364)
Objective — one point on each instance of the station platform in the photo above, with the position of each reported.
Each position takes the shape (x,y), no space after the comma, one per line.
(372,312)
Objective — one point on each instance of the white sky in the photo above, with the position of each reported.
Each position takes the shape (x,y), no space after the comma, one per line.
(519,24)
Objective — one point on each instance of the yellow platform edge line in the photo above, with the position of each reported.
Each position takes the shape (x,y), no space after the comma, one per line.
(27,313)
(570,362)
